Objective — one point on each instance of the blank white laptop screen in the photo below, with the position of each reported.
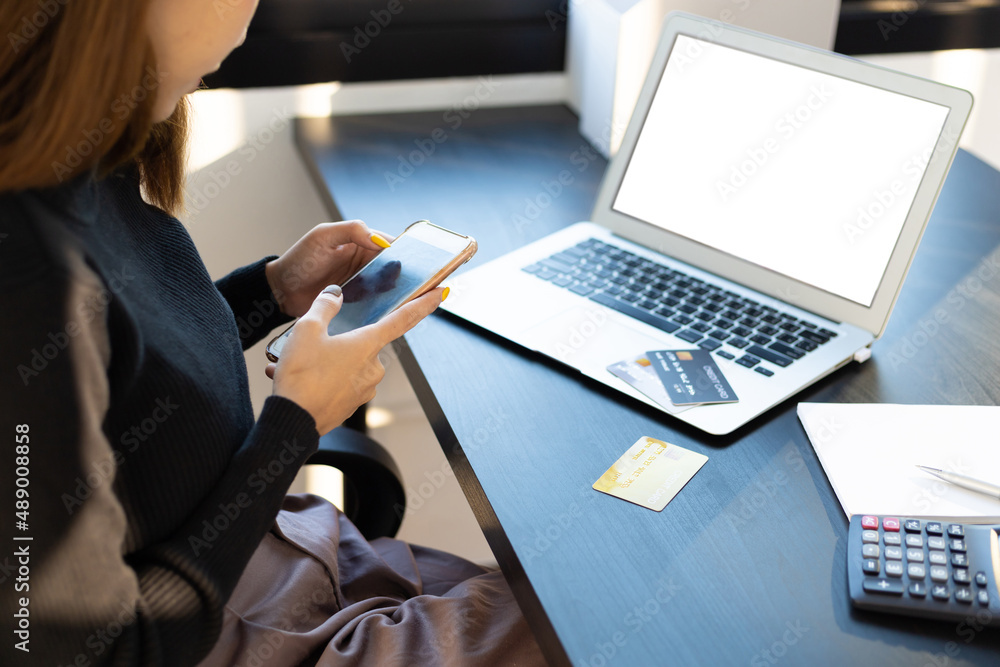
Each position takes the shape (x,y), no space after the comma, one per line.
(798,171)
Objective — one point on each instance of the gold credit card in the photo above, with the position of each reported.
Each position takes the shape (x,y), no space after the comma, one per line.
(650,473)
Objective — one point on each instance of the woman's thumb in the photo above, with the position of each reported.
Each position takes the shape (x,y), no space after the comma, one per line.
(326,305)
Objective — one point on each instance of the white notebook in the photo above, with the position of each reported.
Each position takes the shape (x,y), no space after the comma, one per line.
(870,453)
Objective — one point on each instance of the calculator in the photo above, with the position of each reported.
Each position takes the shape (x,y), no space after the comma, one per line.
(916,567)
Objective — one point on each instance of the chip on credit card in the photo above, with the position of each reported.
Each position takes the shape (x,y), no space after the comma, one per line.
(691,377)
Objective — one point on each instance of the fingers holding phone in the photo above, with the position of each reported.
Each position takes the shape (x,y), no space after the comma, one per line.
(331,376)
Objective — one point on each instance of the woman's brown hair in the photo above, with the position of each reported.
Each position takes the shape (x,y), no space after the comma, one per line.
(78,82)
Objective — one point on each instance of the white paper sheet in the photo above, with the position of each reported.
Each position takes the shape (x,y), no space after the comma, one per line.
(870,453)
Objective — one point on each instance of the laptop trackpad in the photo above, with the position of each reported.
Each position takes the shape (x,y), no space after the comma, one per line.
(589,339)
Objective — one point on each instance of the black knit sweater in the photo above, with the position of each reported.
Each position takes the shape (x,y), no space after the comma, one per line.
(124,403)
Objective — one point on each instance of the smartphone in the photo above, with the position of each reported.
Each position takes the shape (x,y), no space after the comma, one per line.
(417,261)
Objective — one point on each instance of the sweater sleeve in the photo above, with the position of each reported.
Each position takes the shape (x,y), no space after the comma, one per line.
(253,304)
(68,592)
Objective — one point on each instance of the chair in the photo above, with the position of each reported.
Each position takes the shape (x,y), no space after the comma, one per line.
(374,499)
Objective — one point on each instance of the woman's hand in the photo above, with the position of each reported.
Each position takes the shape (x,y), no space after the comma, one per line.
(330,376)
(328,254)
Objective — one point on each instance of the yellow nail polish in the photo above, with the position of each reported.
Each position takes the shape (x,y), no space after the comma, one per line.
(444,294)
(379,241)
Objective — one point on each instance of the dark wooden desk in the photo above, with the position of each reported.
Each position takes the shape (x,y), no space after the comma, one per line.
(747,564)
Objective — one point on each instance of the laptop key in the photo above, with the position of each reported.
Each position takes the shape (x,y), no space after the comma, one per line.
(763,371)
(657,321)
(775,358)
(806,345)
(709,344)
(556,265)
(580,288)
(726,355)
(532,268)
(546,274)
(683,319)
(739,343)
(813,336)
(701,327)
(689,335)
(786,350)
(718,334)
(748,360)
(563,281)
(761,340)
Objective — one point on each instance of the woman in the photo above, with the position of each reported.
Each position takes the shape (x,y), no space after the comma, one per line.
(151,521)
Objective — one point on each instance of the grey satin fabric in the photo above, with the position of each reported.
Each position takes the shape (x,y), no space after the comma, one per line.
(316,592)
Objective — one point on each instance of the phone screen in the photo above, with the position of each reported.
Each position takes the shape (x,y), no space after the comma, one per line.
(387,281)
(391,278)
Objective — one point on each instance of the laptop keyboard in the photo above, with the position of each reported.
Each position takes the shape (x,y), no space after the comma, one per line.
(699,312)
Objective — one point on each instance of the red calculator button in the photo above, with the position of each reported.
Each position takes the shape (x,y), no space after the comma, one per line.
(890,524)
(869,522)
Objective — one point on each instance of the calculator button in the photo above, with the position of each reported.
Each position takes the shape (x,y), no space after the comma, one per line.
(961,575)
(918,589)
(963,594)
(890,524)
(940,591)
(936,543)
(869,522)
(934,528)
(939,573)
(891,539)
(959,560)
(956,530)
(870,537)
(912,525)
(914,540)
(983,597)
(870,550)
(870,566)
(956,545)
(915,555)
(980,578)
(937,558)
(883,586)
(894,568)
(916,570)
(893,553)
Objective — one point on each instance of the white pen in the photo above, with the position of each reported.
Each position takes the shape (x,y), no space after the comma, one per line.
(965,482)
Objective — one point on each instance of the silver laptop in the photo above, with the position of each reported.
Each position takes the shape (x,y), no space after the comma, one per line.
(764,205)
